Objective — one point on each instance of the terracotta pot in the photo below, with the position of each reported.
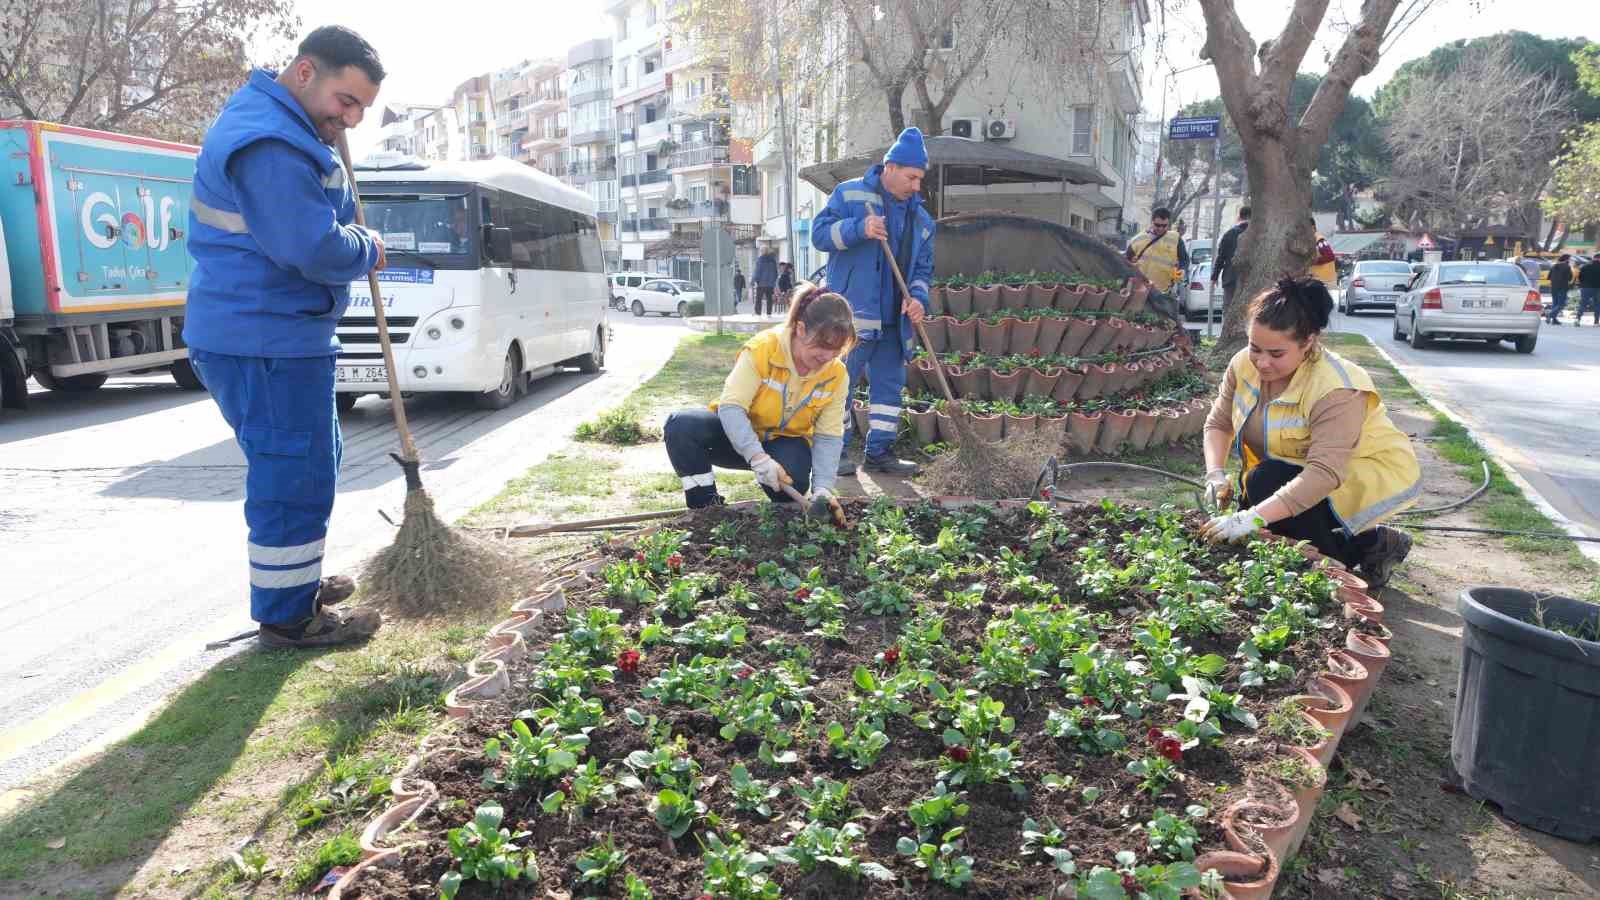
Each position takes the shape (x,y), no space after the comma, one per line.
(961,337)
(936,300)
(1067,387)
(1144,425)
(986,300)
(1356,601)
(1014,296)
(1348,673)
(460,701)
(524,624)
(1106,332)
(858,416)
(958,300)
(1199,410)
(926,421)
(347,881)
(1041,382)
(1007,386)
(1083,430)
(947,429)
(1305,801)
(1115,301)
(970,384)
(989,429)
(1271,814)
(1331,707)
(548,598)
(1351,580)
(1246,875)
(1114,430)
(1017,426)
(1069,299)
(374,836)
(1024,336)
(1054,426)
(935,327)
(1373,656)
(992,338)
(1042,296)
(1093,299)
(1138,293)
(1050,331)
(1095,378)
(1077,334)
(1169,428)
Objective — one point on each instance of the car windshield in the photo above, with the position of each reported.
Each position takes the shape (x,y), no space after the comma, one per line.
(1375,268)
(1471,273)
(434,227)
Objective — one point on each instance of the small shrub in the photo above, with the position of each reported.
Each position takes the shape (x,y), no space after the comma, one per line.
(620,427)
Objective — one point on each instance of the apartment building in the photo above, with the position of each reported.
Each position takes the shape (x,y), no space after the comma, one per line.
(473,102)
(420,130)
(592,137)
(544,144)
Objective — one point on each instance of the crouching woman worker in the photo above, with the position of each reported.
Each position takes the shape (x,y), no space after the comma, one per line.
(1321,460)
(781,413)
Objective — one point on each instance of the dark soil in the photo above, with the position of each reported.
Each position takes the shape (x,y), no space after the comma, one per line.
(906,770)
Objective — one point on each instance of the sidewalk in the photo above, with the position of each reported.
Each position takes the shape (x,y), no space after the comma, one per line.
(738,323)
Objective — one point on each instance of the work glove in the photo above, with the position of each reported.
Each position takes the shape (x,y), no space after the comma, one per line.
(1233,528)
(769,472)
(823,504)
(1219,492)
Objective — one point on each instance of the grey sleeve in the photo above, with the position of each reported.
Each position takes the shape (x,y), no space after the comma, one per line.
(825,452)
(736,424)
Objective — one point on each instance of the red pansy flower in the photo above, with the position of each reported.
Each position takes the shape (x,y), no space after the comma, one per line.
(891,655)
(1171,748)
(628,661)
(802,593)
(959,753)
(675,561)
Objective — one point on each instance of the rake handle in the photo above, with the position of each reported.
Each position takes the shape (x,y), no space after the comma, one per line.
(408,447)
(922,333)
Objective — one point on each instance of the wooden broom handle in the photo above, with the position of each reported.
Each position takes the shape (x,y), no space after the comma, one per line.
(408,447)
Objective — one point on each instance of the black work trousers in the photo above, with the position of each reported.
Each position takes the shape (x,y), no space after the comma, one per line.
(1317,525)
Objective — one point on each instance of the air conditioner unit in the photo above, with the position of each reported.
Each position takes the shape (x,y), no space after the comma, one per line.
(968,128)
(1000,129)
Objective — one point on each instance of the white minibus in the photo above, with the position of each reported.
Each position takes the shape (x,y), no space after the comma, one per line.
(494,278)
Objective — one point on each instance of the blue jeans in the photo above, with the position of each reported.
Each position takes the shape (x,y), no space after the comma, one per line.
(1558,302)
(1589,298)
(882,363)
(283,416)
(696,442)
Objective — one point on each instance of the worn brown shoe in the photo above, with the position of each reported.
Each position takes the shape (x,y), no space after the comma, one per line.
(1380,562)
(335,589)
(327,628)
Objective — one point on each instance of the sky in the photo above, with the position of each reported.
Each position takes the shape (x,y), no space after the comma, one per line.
(427,57)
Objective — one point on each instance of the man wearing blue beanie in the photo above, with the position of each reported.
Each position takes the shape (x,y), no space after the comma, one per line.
(883,205)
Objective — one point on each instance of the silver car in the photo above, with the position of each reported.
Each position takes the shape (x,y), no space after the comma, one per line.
(1191,293)
(1374,284)
(1483,301)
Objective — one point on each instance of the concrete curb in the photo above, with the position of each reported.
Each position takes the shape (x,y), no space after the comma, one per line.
(741,323)
(1501,454)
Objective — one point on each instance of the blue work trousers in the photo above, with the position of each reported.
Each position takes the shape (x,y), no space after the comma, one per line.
(881,363)
(282,414)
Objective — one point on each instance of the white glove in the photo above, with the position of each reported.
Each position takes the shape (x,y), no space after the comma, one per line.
(1234,527)
(820,494)
(1218,491)
(769,472)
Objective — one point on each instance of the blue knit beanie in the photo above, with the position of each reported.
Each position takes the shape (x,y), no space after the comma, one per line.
(908,150)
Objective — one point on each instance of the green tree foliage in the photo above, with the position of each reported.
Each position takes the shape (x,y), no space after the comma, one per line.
(1559,57)
(1574,194)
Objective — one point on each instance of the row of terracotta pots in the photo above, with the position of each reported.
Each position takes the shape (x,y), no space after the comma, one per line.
(1058,383)
(1072,336)
(1104,432)
(987,299)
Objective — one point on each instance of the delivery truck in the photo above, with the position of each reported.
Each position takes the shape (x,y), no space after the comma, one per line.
(94,262)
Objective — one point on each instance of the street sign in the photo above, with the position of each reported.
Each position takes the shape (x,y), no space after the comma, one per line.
(716,249)
(1197,128)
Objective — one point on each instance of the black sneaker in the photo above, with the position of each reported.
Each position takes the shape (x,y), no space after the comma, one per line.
(847,466)
(325,629)
(889,465)
(335,589)
(1380,562)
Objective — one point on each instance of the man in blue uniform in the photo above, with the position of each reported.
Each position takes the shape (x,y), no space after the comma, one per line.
(275,250)
(884,204)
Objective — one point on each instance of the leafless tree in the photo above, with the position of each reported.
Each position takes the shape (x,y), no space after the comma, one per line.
(1476,144)
(154,67)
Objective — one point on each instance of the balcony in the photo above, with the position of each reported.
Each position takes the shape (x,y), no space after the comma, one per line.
(694,157)
(767,152)
(589,94)
(705,106)
(545,139)
(653,132)
(678,57)
(648,86)
(594,133)
(636,227)
(642,179)
(548,100)
(591,169)
(695,212)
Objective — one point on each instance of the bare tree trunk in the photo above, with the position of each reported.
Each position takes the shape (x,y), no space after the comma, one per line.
(895,94)
(1280,240)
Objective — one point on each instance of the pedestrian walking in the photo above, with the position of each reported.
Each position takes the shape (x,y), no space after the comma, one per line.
(785,285)
(275,250)
(1589,289)
(1560,283)
(738,288)
(766,279)
(1159,252)
(1226,249)
(883,205)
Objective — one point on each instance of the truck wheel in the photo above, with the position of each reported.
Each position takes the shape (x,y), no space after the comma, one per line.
(184,374)
(13,379)
(70,383)
(595,359)
(345,402)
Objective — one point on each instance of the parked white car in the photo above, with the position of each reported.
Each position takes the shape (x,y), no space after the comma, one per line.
(1485,301)
(1191,293)
(666,296)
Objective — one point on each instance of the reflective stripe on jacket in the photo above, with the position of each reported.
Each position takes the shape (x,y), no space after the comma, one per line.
(1159,261)
(781,389)
(1383,476)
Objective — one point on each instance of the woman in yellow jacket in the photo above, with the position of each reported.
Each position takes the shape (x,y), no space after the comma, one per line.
(1321,462)
(781,413)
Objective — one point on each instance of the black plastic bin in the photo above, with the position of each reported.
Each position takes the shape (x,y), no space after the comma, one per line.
(1527,728)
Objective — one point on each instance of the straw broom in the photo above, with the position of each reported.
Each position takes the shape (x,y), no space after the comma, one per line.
(430,568)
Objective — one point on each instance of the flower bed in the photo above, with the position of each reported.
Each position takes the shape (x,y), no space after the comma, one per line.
(935,702)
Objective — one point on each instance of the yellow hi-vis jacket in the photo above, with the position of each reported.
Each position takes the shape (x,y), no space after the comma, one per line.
(1383,476)
(779,401)
(1156,257)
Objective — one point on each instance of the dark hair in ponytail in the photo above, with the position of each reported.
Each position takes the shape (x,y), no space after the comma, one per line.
(826,315)
(1300,306)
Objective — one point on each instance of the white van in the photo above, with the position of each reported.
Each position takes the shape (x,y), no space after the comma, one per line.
(623,284)
(494,277)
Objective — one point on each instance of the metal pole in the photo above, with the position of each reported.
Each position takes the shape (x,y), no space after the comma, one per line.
(1216,218)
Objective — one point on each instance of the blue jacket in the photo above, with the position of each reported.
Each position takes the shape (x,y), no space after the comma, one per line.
(766,273)
(270,231)
(856,265)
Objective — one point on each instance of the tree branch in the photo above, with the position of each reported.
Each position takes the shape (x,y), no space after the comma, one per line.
(1356,57)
